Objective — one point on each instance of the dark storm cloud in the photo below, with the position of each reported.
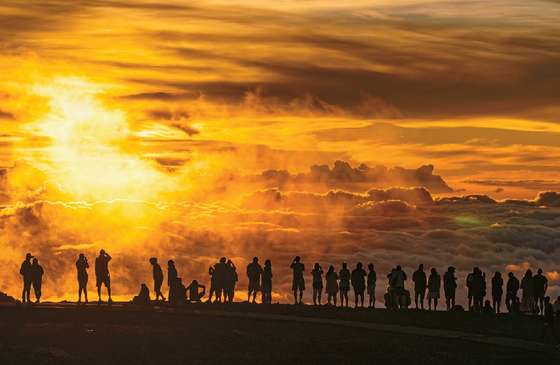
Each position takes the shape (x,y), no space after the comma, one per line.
(6,115)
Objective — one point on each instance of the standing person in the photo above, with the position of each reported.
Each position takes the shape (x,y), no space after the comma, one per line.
(231,279)
(157,274)
(548,321)
(371,282)
(434,286)
(172,281)
(221,270)
(419,279)
(511,290)
(254,272)
(211,271)
(470,279)
(332,285)
(540,285)
(37,279)
(82,266)
(449,287)
(26,271)
(102,273)
(359,284)
(397,280)
(344,285)
(497,291)
(317,273)
(266,287)
(479,289)
(298,282)
(527,292)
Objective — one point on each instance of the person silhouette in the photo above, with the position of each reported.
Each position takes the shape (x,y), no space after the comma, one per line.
(540,285)
(27,273)
(317,273)
(266,286)
(449,287)
(254,272)
(220,275)
(487,308)
(37,279)
(157,274)
(478,289)
(344,284)
(359,284)
(298,282)
(527,292)
(420,282)
(371,282)
(102,274)
(497,291)
(548,321)
(211,270)
(231,279)
(143,296)
(434,286)
(192,290)
(180,294)
(82,266)
(397,279)
(332,285)
(511,290)
(171,280)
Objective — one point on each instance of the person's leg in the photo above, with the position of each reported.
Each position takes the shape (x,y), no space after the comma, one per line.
(416,295)
(362,298)
(109,294)
(334,300)
(99,292)
(435,303)
(295,296)
(300,295)
(320,293)
(429,304)
(422,300)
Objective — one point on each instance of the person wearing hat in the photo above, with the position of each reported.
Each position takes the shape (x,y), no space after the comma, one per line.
(449,286)
(27,272)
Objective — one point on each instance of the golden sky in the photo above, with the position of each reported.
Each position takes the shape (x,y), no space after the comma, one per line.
(184,110)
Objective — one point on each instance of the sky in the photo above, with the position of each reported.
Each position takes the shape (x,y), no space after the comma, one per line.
(391,132)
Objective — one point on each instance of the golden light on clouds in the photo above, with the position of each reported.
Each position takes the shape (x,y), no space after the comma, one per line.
(359,131)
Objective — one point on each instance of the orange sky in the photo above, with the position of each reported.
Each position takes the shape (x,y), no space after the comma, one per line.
(190,102)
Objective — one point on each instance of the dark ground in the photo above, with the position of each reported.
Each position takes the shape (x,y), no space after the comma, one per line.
(219,334)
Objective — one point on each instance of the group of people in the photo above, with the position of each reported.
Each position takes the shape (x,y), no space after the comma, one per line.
(224,277)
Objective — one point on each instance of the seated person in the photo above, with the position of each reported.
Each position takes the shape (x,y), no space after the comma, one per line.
(388,298)
(487,307)
(181,291)
(143,296)
(194,294)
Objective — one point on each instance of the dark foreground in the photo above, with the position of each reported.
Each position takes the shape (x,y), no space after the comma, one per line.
(241,333)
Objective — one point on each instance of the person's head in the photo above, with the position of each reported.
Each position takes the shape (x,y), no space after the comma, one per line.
(267,263)
(170,263)
(180,280)
(331,269)
(153,261)
(451,269)
(510,275)
(297,259)
(539,271)
(546,300)
(344,265)
(28,256)
(316,266)
(102,252)
(433,270)
(475,269)
(223,260)
(370,266)
(487,303)
(399,267)
(82,256)
(528,273)
(497,274)
(359,265)
(144,285)
(229,262)
(35,261)
(421,266)
(255,259)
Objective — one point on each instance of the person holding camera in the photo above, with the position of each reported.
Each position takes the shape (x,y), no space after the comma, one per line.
(102,273)
(82,266)
(298,281)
